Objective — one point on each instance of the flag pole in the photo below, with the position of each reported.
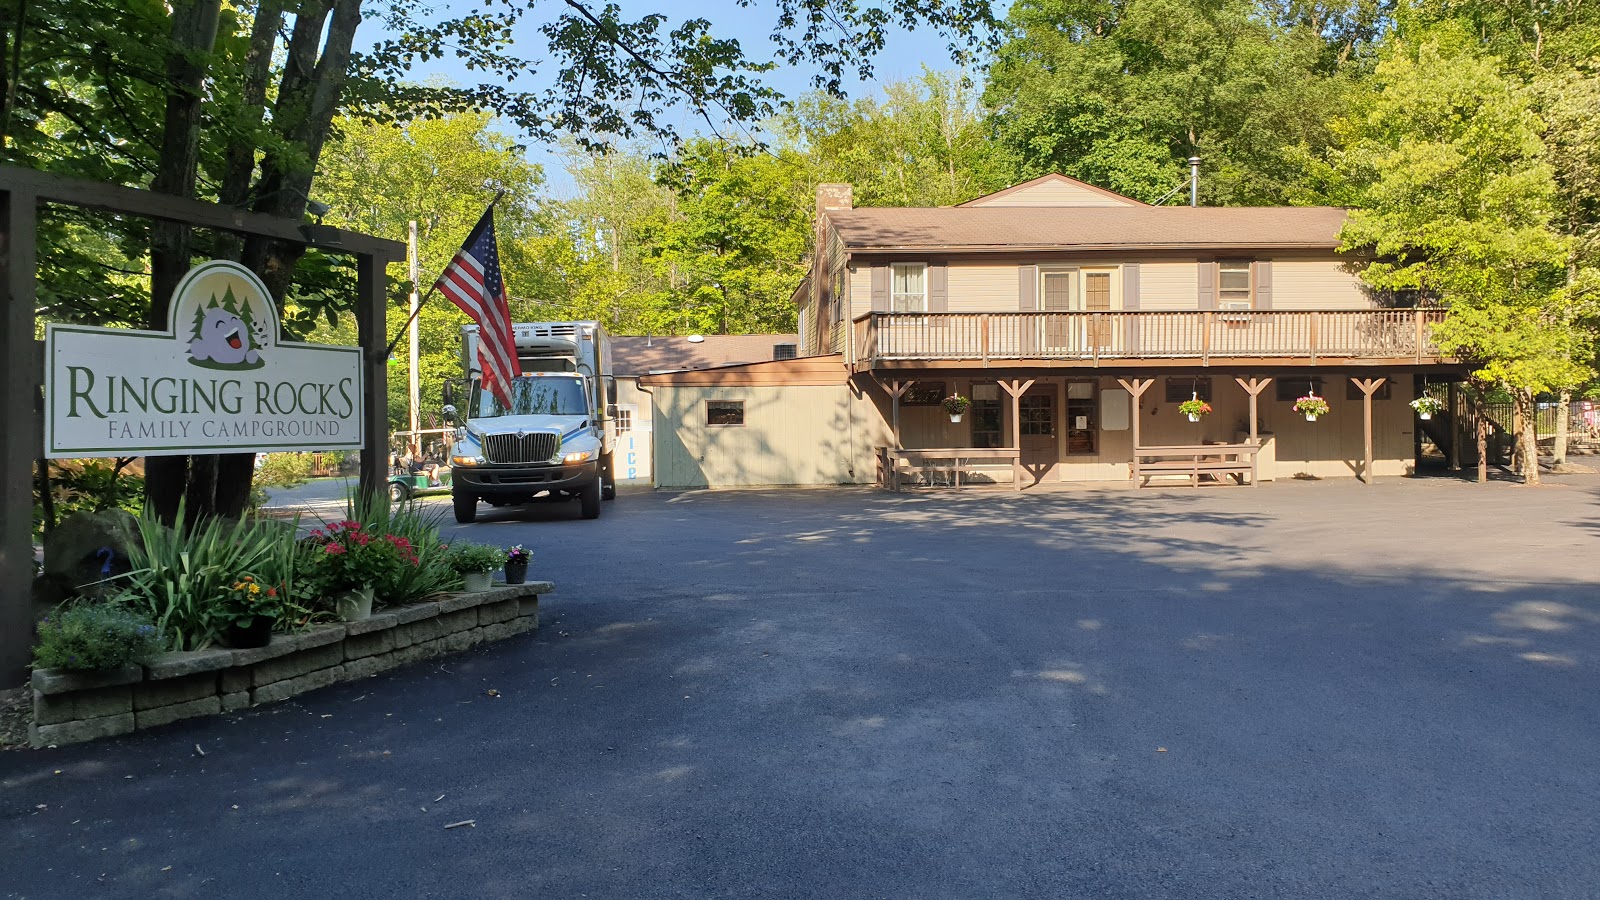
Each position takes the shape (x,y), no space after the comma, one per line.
(417,308)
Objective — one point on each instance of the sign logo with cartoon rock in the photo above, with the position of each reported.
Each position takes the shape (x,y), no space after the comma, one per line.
(221,380)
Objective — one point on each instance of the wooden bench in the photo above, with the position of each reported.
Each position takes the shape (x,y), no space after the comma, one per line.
(931,461)
(1195,460)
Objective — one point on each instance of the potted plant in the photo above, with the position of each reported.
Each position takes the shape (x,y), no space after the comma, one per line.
(346,560)
(474,562)
(1427,406)
(1311,406)
(1194,408)
(517,559)
(956,405)
(248,612)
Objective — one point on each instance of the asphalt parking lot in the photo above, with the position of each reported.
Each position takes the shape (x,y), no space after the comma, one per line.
(1302,690)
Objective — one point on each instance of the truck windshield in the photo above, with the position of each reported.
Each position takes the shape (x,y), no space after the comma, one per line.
(534,397)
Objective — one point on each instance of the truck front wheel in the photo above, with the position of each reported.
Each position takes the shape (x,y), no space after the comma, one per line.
(609,475)
(589,497)
(466,508)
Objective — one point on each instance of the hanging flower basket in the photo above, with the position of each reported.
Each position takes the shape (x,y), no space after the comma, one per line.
(1427,406)
(956,405)
(1311,406)
(1194,408)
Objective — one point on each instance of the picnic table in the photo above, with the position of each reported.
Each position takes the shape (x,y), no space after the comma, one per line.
(931,461)
(1194,460)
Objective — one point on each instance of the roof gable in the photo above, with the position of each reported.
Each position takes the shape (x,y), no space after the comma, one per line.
(1054,190)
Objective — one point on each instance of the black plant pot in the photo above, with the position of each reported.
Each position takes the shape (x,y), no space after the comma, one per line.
(516,573)
(257,634)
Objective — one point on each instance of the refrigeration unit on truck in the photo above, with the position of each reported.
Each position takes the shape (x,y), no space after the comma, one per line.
(555,440)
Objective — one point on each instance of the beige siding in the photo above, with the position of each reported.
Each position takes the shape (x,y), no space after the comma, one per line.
(1316,284)
(1331,447)
(793,435)
(1054,193)
(860,282)
(977,288)
(1169,285)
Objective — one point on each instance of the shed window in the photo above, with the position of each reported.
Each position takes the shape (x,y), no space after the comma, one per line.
(724,412)
(624,420)
(908,290)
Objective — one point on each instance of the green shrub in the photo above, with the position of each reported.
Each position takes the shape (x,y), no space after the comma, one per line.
(180,580)
(467,558)
(419,528)
(284,470)
(92,486)
(95,636)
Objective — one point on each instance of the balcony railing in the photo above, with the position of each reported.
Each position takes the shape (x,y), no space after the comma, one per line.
(1096,336)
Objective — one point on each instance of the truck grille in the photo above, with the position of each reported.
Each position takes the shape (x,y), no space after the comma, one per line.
(520,448)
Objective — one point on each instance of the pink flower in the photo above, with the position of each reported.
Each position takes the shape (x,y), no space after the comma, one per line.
(335,549)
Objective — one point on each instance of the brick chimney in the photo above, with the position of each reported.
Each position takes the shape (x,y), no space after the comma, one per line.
(834,196)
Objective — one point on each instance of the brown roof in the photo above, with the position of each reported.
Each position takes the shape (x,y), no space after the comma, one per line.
(1001,197)
(993,229)
(638,355)
(807,370)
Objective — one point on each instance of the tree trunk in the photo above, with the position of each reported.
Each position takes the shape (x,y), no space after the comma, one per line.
(194,32)
(1563,428)
(308,97)
(1528,412)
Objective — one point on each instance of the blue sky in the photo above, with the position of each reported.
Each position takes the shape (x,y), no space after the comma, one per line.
(903,56)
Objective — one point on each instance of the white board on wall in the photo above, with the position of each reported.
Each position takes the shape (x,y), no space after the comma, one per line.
(1114,406)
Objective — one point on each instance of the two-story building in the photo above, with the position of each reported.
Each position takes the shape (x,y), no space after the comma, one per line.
(1076,320)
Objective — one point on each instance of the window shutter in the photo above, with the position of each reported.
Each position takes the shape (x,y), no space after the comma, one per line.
(1262,276)
(880,288)
(1208,284)
(938,287)
(1028,288)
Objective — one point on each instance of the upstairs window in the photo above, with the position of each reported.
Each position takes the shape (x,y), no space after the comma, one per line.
(1234,286)
(908,287)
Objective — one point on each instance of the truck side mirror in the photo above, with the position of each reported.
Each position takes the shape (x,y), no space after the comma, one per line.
(611,389)
(449,414)
(449,395)
(611,410)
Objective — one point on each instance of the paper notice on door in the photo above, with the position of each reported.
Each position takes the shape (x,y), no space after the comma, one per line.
(1080,422)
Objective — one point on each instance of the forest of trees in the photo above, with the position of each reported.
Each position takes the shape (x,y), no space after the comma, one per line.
(1465,135)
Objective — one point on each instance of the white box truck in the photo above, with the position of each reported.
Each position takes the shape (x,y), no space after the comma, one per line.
(555,441)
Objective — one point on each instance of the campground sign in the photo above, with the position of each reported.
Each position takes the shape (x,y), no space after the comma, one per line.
(221,380)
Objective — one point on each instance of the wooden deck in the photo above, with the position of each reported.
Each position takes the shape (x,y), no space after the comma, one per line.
(891,340)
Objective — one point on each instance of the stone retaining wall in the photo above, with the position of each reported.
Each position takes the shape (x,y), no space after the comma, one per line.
(70,706)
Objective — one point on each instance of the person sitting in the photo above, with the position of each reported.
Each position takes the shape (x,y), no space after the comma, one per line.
(416,465)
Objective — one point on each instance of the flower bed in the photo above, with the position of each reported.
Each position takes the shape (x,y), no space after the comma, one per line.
(72,706)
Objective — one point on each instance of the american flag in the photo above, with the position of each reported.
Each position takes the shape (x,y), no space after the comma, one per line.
(472,282)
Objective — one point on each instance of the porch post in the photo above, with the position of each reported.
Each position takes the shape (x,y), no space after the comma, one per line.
(1368,387)
(1136,387)
(1254,387)
(1016,389)
(371,333)
(897,389)
(21,441)
(1457,433)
